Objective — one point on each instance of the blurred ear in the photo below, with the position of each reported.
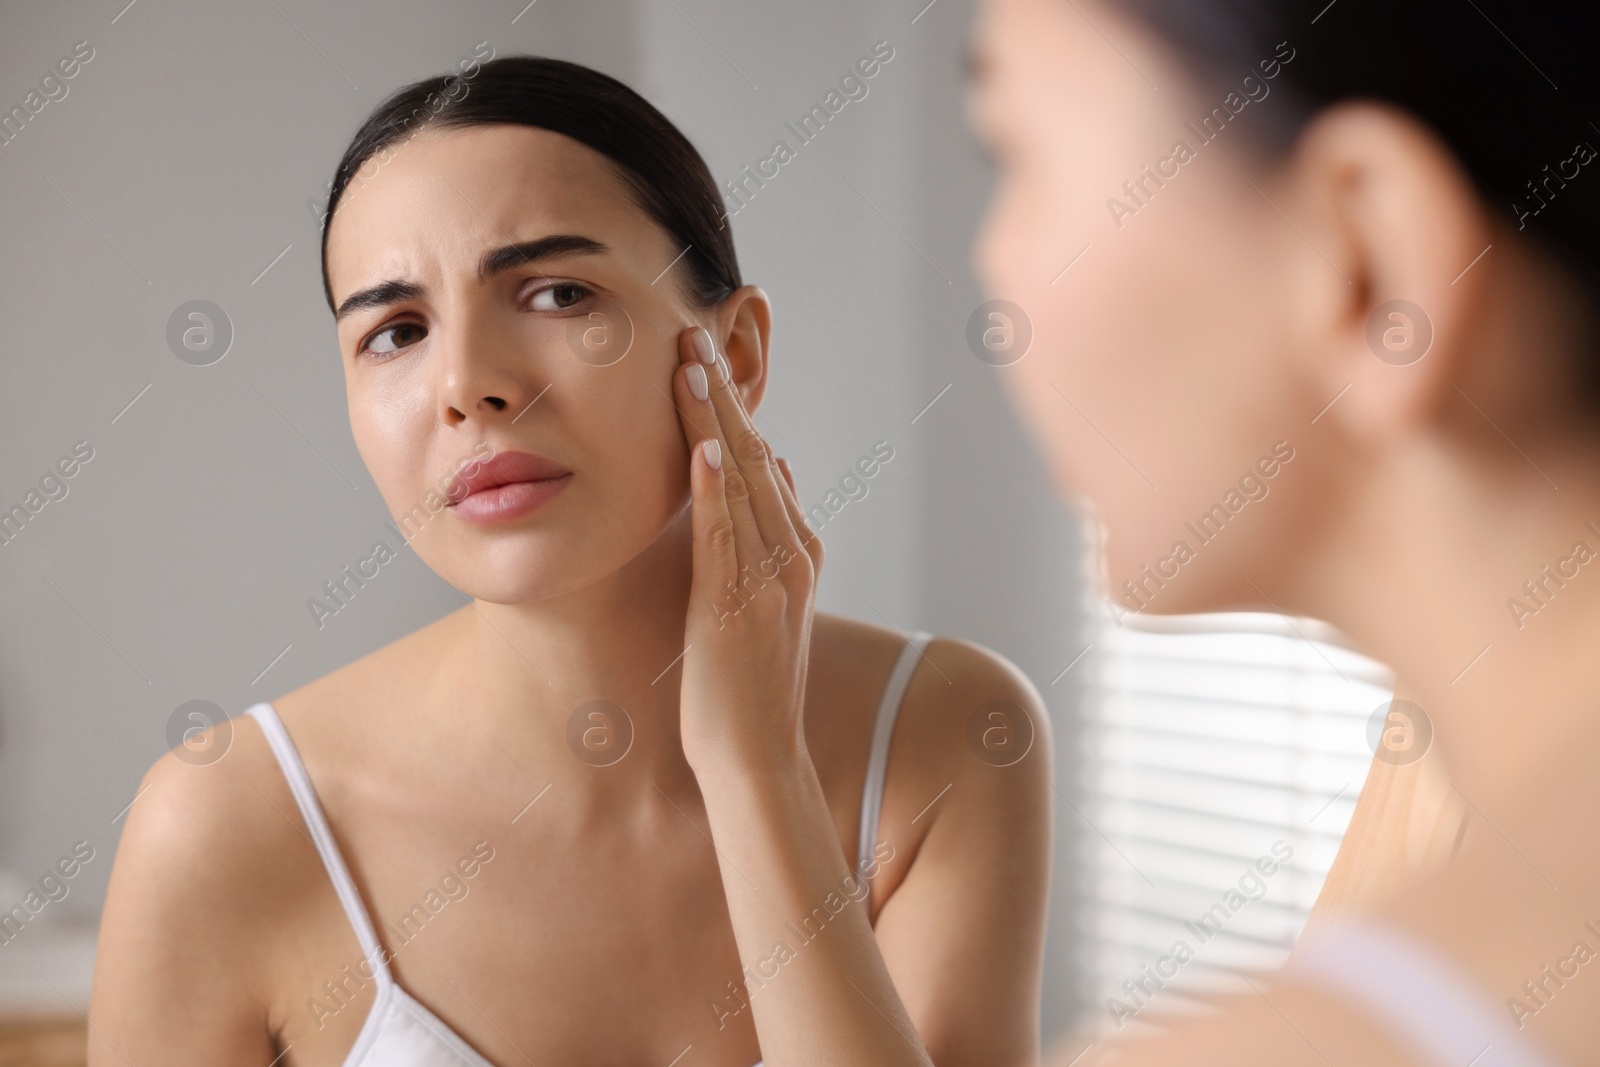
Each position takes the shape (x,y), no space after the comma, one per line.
(1389,203)
(742,332)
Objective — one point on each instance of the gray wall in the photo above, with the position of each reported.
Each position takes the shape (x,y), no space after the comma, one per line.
(179,166)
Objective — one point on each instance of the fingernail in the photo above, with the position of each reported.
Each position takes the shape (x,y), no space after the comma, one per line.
(712,450)
(697,382)
(703,347)
(727,371)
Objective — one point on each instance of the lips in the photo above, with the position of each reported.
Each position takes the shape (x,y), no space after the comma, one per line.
(510,485)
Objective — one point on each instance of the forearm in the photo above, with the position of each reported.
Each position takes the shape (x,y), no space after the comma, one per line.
(818,991)
(813,976)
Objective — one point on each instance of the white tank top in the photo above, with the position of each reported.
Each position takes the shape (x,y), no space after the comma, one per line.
(1409,988)
(400,1031)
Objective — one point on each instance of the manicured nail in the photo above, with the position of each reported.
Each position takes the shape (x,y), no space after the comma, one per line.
(703,347)
(697,382)
(712,450)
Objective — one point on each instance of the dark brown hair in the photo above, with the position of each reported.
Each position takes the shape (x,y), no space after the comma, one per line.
(1511,86)
(668,179)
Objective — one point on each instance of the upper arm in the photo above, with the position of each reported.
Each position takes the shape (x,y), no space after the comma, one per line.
(962,933)
(177,970)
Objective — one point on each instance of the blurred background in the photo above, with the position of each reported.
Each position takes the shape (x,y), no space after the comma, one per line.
(188,161)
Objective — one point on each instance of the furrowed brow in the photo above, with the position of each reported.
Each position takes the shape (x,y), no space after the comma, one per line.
(378,296)
(561,244)
(496,262)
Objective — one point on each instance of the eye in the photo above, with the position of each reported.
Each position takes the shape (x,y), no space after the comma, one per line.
(561,296)
(392,339)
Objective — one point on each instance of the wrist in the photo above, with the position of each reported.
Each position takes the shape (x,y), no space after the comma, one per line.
(738,767)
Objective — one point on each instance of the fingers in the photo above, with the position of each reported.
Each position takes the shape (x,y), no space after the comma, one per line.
(797,515)
(715,554)
(702,425)
(750,453)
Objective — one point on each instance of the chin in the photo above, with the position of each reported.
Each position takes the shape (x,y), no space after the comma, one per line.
(526,584)
(1144,569)
(1152,576)
(511,567)
(525,566)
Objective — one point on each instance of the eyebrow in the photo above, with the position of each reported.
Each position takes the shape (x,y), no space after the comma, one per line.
(493,263)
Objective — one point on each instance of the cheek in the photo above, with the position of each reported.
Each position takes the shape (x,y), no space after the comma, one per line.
(1000,239)
(1028,234)
(1018,253)
(390,420)
(631,432)
(1032,251)
(627,437)
(1157,358)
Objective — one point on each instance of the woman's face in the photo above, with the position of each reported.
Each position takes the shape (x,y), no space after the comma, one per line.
(1159,375)
(564,351)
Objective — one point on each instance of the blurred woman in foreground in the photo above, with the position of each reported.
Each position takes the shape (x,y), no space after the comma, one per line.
(1369,232)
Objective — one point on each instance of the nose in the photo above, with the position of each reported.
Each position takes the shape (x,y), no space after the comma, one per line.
(484,377)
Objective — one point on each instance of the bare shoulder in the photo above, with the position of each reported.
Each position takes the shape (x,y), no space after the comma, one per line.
(216,813)
(953,679)
(973,718)
(200,817)
(215,870)
(960,867)
(211,856)
(978,685)
(969,720)
(953,683)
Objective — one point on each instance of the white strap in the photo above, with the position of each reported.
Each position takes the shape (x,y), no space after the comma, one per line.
(1402,983)
(878,755)
(305,796)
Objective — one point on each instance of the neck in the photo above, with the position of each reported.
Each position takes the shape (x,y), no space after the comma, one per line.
(1488,604)
(526,670)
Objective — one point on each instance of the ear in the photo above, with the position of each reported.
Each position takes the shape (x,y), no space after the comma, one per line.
(742,331)
(1387,201)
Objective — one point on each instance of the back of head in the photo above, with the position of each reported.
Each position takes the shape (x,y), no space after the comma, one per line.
(1508,86)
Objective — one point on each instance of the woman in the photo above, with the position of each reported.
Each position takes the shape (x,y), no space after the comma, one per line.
(1366,231)
(624,805)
